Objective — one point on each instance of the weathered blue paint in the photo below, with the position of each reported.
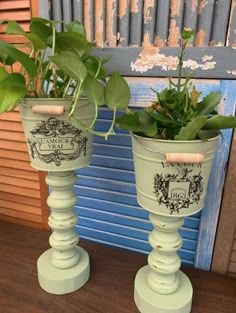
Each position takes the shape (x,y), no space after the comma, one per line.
(162,22)
(77,10)
(211,210)
(136,25)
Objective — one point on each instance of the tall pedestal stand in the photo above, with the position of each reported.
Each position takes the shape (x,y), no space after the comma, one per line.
(65,267)
(160,287)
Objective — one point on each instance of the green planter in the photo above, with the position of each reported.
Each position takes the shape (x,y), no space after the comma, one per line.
(176,187)
(54,142)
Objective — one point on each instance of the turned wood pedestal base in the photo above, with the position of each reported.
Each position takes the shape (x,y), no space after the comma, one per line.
(58,281)
(149,301)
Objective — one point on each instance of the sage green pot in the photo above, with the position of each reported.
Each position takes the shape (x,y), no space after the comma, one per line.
(54,142)
(174,188)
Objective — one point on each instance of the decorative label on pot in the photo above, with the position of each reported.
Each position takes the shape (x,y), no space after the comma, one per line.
(55,141)
(178,191)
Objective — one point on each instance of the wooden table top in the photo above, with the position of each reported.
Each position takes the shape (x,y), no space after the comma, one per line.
(109,289)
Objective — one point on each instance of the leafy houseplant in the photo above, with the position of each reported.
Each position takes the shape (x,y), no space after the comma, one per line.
(178,114)
(58,65)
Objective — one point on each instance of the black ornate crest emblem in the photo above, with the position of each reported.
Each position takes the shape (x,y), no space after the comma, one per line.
(54,140)
(178,191)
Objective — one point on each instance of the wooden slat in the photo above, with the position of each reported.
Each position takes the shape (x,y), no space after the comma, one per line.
(99,11)
(21,199)
(136,16)
(20,221)
(233,257)
(13,145)
(89,19)
(227,220)
(162,23)
(176,20)
(16,164)
(232,267)
(20,207)
(20,191)
(14,4)
(231,35)
(34,6)
(77,10)
(17,15)
(191,14)
(111,23)
(15,155)
(67,10)
(149,16)
(11,116)
(20,182)
(19,173)
(11,126)
(123,29)
(56,11)
(21,215)
(15,136)
(234,245)
(24,25)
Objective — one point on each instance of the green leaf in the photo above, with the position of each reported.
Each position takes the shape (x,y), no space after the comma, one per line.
(207,134)
(117,92)
(12,88)
(139,122)
(42,31)
(71,65)
(76,27)
(218,122)
(3,73)
(14,28)
(73,42)
(208,104)
(94,91)
(187,35)
(189,132)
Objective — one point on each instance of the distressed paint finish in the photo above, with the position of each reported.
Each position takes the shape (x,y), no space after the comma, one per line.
(78,10)
(176,20)
(99,23)
(220,22)
(191,14)
(89,19)
(111,23)
(162,21)
(211,210)
(57,13)
(205,12)
(136,16)
(231,40)
(149,12)
(205,62)
(124,8)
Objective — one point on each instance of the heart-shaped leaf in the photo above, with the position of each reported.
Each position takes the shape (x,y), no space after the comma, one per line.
(94,91)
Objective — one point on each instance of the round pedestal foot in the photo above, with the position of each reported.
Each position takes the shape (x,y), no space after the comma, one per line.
(148,301)
(61,281)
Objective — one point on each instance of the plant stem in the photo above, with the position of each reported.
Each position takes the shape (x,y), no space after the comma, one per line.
(67,87)
(180,65)
(75,98)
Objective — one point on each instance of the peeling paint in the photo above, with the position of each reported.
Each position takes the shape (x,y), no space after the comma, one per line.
(147,9)
(200,38)
(111,31)
(216,44)
(233,72)
(174,33)
(123,5)
(194,5)
(151,57)
(134,6)
(159,42)
(207,58)
(175,8)
(87,20)
(202,4)
(99,23)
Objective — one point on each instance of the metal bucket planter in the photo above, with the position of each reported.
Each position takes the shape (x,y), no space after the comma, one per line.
(58,146)
(171,182)
(54,142)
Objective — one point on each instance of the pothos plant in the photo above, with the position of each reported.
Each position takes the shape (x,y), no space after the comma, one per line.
(178,113)
(58,65)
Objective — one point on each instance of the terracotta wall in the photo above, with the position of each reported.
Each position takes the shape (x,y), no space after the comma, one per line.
(22,189)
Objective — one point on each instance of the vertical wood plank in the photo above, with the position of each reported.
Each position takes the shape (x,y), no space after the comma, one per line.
(210,213)
(111,23)
(57,12)
(205,19)
(176,20)
(227,220)
(44,8)
(136,16)
(149,16)
(231,37)
(89,19)
(34,6)
(100,19)
(77,11)
(124,9)
(191,14)
(66,11)
(220,22)
(162,23)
